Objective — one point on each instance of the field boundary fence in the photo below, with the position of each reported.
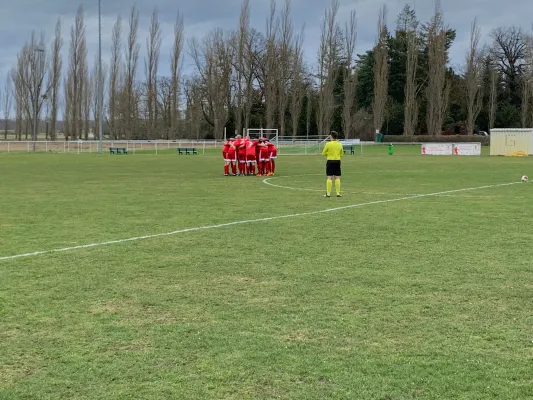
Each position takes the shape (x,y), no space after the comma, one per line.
(287,145)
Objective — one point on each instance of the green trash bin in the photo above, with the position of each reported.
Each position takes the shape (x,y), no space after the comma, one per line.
(379,137)
(391,149)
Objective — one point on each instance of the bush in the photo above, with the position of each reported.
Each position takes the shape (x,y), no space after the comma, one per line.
(484,140)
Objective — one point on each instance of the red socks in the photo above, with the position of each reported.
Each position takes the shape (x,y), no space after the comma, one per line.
(272,165)
(226,169)
(233,168)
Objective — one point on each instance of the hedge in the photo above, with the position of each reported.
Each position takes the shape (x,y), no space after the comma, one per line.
(484,140)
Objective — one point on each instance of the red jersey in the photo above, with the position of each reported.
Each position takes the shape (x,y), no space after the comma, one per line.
(240,146)
(226,147)
(251,146)
(263,150)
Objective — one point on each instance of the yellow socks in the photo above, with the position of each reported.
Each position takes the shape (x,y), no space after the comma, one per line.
(338,186)
(329,184)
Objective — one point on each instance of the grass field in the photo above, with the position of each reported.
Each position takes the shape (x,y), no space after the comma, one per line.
(423,297)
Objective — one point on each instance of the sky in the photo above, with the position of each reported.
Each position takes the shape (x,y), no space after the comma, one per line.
(18,19)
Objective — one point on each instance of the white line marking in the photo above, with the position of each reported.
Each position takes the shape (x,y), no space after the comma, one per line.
(267,182)
(249,221)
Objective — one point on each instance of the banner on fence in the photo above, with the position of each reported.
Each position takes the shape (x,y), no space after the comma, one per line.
(437,149)
(467,149)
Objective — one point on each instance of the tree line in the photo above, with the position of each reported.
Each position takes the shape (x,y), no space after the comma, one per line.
(244,78)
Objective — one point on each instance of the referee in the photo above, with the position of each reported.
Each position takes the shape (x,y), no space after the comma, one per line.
(333,152)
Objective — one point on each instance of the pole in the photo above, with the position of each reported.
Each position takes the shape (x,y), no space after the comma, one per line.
(100,79)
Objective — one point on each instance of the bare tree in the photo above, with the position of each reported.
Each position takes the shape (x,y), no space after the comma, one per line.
(114,76)
(271,66)
(56,66)
(94,84)
(350,78)
(411,89)
(29,79)
(213,61)
(285,63)
(508,51)
(473,78)
(493,95)
(153,47)
(86,99)
(6,97)
(297,85)
(437,72)
(328,58)
(381,71)
(194,105)
(130,113)
(76,75)
(241,44)
(175,71)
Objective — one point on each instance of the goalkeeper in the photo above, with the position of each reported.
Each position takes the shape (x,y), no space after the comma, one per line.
(333,152)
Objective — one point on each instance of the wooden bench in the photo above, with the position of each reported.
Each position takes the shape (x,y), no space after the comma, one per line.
(118,150)
(187,150)
(348,148)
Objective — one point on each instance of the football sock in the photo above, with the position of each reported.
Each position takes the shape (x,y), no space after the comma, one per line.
(226,169)
(233,168)
(338,186)
(260,168)
(329,184)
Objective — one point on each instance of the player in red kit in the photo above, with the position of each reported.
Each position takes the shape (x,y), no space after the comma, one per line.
(240,147)
(225,149)
(251,159)
(230,158)
(273,154)
(264,159)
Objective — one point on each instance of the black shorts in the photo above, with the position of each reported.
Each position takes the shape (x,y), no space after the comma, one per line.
(333,168)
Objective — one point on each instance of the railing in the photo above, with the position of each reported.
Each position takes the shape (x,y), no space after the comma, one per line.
(91,146)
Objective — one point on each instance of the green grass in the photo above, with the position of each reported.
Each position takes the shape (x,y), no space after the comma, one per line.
(426,298)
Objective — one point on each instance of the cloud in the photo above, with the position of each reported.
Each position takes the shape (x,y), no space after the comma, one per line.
(20,17)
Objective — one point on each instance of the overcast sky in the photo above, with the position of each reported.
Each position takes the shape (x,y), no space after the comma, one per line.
(19,17)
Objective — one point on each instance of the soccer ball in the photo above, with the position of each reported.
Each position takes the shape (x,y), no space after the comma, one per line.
(525,178)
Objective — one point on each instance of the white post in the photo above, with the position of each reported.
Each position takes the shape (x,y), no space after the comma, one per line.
(156,148)
(203,151)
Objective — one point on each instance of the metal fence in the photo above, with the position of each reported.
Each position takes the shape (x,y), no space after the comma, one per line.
(286,146)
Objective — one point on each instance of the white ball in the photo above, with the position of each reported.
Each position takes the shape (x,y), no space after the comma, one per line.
(525,178)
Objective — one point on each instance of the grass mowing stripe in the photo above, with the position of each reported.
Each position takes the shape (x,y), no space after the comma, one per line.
(198,228)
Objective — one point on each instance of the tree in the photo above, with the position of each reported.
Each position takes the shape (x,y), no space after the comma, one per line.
(130,101)
(153,47)
(381,71)
(436,91)
(350,75)
(328,62)
(271,66)
(297,86)
(175,73)
(213,59)
(56,66)
(114,76)
(408,23)
(473,78)
(5,99)
(508,51)
(74,84)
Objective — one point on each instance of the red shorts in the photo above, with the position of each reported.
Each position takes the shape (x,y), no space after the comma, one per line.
(231,156)
(250,157)
(241,157)
(264,156)
(225,155)
(273,153)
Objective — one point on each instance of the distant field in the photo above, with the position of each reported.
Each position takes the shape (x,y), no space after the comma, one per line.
(415,285)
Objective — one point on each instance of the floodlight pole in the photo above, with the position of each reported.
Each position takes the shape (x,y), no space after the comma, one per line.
(37,71)
(100,79)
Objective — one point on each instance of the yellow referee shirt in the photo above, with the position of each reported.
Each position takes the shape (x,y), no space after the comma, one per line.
(333,150)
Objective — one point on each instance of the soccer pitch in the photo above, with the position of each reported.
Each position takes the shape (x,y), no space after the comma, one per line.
(175,282)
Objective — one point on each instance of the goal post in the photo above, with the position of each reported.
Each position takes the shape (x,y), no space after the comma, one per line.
(270,134)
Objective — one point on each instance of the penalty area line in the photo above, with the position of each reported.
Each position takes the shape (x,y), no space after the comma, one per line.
(248,221)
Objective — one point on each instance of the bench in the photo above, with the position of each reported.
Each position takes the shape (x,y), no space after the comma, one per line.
(187,150)
(118,150)
(350,148)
